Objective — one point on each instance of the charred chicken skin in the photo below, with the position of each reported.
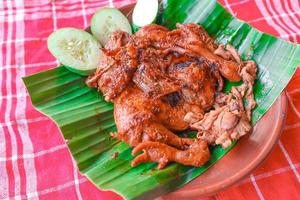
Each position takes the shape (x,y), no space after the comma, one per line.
(163,81)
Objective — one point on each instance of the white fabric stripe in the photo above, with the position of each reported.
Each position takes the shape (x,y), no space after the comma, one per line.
(283,23)
(22,40)
(13,96)
(33,155)
(111,3)
(52,189)
(256,187)
(286,155)
(45,9)
(268,18)
(269,174)
(52,63)
(278,22)
(76,181)
(292,126)
(237,3)
(85,24)
(22,121)
(288,22)
(17,187)
(294,91)
(4,193)
(296,21)
(275,172)
(60,15)
(29,164)
(227,5)
(54,15)
(286,36)
(274,16)
(292,105)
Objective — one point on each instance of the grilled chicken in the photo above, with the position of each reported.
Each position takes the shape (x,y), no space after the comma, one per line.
(162,82)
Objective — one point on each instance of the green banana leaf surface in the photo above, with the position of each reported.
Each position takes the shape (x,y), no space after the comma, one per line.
(86,120)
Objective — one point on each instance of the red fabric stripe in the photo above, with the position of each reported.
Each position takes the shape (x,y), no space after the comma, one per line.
(291,4)
(288,9)
(289,21)
(278,21)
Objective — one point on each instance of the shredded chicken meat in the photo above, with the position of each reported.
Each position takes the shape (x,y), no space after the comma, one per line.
(163,81)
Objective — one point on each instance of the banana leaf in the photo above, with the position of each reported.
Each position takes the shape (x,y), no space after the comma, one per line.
(86,120)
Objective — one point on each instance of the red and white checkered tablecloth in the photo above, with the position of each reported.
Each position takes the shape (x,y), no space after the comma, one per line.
(34,160)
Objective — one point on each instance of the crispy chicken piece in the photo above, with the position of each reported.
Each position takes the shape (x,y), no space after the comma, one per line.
(163,81)
(140,119)
(117,40)
(153,82)
(194,40)
(230,119)
(197,79)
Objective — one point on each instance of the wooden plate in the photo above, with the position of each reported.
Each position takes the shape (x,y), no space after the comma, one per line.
(244,158)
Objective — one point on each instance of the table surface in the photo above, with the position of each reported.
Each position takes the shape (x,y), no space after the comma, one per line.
(34,160)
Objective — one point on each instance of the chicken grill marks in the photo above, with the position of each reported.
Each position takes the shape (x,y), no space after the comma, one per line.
(162,81)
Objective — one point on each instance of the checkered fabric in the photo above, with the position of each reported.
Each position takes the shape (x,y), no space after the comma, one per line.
(34,160)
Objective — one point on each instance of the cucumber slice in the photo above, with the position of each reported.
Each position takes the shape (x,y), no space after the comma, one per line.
(145,12)
(106,21)
(78,50)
